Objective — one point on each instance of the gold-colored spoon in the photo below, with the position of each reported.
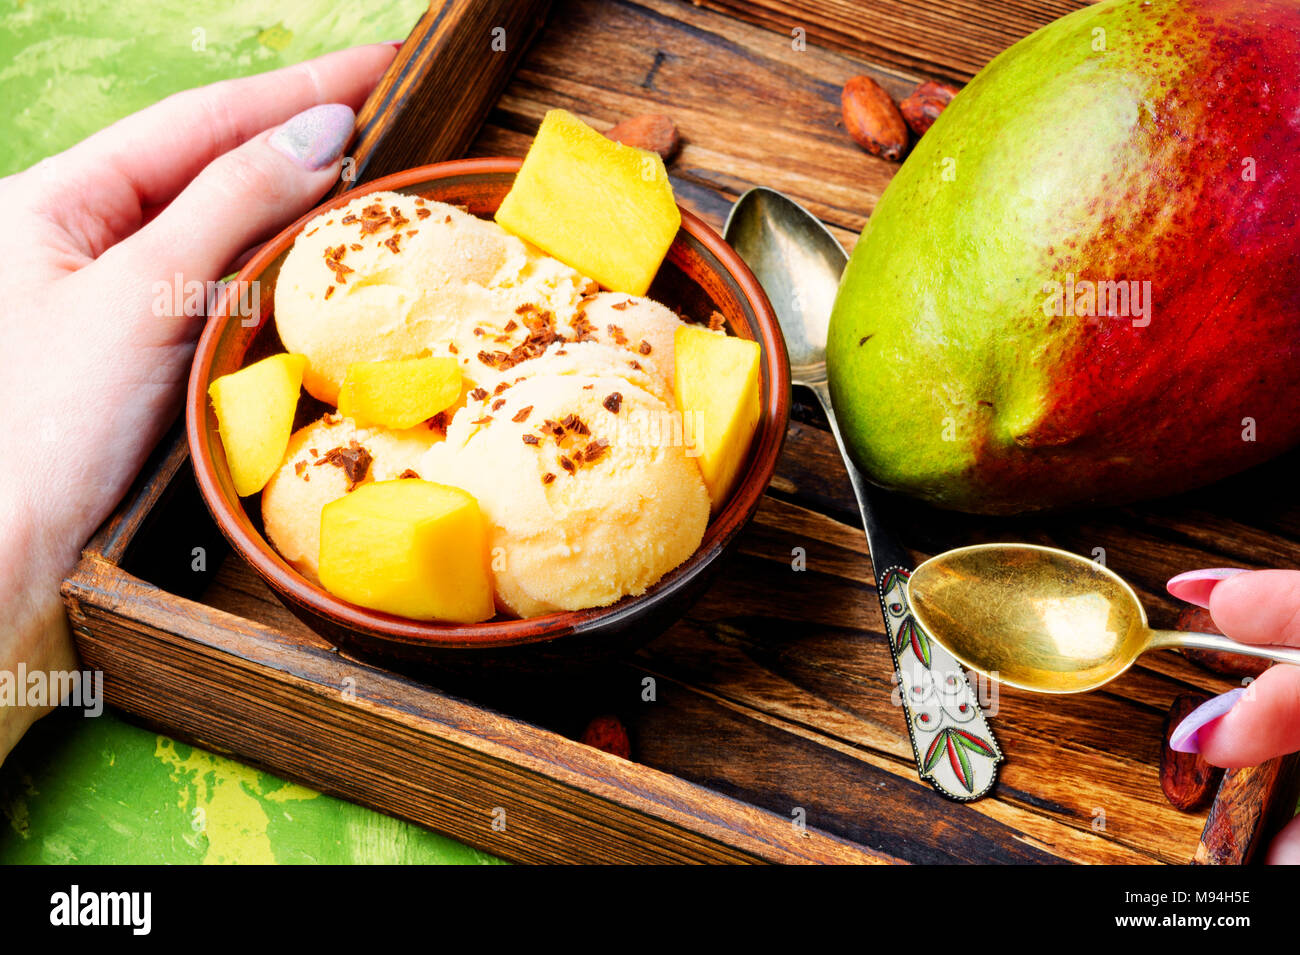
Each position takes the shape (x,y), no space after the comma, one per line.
(1044,619)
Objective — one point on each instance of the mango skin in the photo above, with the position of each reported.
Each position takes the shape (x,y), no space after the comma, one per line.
(1169,156)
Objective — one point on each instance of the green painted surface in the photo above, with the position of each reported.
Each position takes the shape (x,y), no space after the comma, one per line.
(79,790)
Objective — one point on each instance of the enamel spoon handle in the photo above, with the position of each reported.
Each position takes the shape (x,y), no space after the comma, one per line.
(954,747)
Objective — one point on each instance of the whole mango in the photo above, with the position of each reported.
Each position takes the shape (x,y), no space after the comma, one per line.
(1083,286)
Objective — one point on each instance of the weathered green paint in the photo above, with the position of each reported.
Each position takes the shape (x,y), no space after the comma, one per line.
(100,790)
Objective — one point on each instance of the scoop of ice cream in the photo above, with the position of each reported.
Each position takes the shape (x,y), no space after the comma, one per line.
(588,359)
(324,461)
(586,486)
(397,276)
(641,325)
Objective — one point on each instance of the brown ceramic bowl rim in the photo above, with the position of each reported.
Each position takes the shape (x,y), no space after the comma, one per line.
(254,548)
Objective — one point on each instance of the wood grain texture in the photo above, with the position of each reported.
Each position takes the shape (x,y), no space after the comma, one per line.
(434,97)
(235,686)
(948,39)
(772,698)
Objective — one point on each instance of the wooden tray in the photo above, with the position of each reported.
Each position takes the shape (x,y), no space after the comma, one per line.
(762,723)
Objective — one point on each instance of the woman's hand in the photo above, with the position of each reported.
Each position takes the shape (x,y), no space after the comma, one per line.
(1249,725)
(91,374)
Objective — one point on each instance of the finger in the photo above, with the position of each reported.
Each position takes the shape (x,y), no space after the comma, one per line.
(238,199)
(1285,848)
(1262,606)
(1263,723)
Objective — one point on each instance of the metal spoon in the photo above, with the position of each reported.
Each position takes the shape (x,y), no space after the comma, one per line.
(1044,619)
(798,262)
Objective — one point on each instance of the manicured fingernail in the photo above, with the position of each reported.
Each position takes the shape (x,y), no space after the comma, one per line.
(1184,737)
(1195,585)
(396,44)
(315,138)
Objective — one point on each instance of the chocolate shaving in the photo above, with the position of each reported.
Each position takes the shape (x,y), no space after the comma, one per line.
(717,321)
(553,428)
(496,405)
(583,330)
(511,326)
(644,347)
(567,464)
(329,291)
(575,425)
(483,420)
(438,422)
(478,394)
(617,334)
(532,439)
(422,213)
(621,305)
(348,219)
(501,386)
(408,473)
(548,477)
(613,401)
(522,414)
(354,460)
(393,242)
(298,466)
(595,450)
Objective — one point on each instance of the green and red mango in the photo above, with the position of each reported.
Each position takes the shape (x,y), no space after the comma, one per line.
(1154,144)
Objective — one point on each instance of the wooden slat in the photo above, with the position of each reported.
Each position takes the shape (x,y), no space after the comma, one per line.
(364,734)
(945,39)
(432,100)
(774,691)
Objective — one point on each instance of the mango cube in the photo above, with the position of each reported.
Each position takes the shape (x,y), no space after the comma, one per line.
(408,547)
(716,380)
(601,207)
(399,394)
(255,408)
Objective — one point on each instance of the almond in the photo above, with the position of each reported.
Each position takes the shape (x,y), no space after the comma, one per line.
(607,733)
(653,132)
(872,119)
(1229,664)
(923,106)
(1187,779)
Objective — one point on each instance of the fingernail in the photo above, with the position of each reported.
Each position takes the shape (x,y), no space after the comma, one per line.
(396,44)
(1184,737)
(1195,585)
(315,138)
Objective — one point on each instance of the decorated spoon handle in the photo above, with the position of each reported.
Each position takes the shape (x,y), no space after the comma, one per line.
(955,748)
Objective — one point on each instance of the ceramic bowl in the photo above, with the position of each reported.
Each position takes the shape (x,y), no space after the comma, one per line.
(700,274)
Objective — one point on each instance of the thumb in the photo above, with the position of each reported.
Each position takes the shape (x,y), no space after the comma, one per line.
(240,198)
